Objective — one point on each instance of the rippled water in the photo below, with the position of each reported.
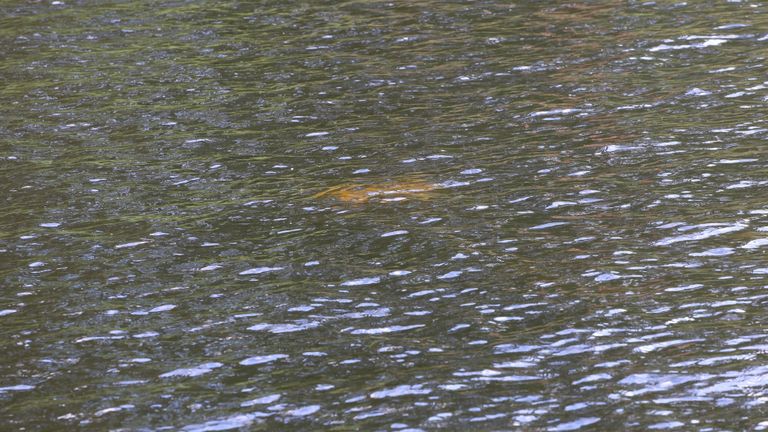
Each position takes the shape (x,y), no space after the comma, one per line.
(590,253)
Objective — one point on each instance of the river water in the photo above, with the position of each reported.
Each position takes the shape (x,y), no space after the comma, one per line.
(367,215)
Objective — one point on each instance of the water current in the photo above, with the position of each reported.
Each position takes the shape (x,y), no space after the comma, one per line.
(383,215)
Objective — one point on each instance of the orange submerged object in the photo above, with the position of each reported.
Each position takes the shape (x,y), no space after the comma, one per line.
(391,191)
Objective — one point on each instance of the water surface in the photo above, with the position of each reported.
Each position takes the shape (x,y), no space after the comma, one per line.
(590,253)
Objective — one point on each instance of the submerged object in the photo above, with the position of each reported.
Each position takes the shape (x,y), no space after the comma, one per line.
(389,191)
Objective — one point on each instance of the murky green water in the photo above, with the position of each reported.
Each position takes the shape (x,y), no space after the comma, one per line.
(180,248)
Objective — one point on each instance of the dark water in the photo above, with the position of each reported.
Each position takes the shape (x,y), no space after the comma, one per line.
(593,255)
